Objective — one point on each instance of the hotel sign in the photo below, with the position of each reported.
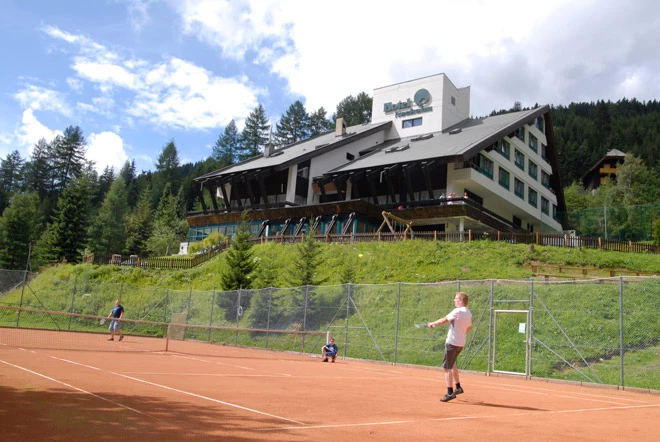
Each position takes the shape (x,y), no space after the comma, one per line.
(405,108)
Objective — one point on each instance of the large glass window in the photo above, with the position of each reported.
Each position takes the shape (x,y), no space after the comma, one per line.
(545,206)
(554,212)
(519,188)
(545,179)
(504,149)
(533,169)
(533,143)
(532,197)
(504,178)
(411,123)
(486,166)
(544,151)
(519,159)
(540,123)
(520,133)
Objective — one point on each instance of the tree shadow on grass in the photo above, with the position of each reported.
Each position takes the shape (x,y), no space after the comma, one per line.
(62,414)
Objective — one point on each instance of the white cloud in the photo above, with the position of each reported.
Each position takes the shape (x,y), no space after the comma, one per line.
(39,98)
(172,94)
(554,52)
(106,149)
(31,131)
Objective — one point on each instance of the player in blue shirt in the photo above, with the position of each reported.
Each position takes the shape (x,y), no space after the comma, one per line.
(329,350)
(115,325)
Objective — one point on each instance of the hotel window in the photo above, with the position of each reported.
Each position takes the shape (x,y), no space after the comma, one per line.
(533,169)
(411,123)
(554,212)
(545,179)
(533,143)
(545,206)
(544,151)
(519,188)
(504,178)
(539,123)
(453,100)
(520,133)
(532,197)
(519,159)
(504,148)
(486,166)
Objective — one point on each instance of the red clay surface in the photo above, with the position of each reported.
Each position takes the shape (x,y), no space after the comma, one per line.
(202,392)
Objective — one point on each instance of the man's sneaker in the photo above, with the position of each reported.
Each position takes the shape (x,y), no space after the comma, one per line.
(110,339)
(448,397)
(458,390)
(333,360)
(122,337)
(325,360)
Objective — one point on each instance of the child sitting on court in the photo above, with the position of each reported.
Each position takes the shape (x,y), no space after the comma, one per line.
(329,350)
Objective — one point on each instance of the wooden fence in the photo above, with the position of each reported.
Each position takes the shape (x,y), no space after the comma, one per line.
(538,238)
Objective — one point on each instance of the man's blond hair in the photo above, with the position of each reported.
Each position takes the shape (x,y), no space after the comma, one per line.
(464,297)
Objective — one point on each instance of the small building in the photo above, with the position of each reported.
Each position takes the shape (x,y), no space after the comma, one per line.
(421,155)
(603,169)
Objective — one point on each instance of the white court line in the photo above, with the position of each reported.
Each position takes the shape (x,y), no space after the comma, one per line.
(63,360)
(506,416)
(229,404)
(222,375)
(77,389)
(226,365)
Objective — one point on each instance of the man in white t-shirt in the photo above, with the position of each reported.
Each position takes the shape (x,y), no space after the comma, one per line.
(460,322)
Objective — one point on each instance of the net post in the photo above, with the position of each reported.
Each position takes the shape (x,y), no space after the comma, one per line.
(167,337)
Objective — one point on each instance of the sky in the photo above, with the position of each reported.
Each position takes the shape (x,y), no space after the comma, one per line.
(137,74)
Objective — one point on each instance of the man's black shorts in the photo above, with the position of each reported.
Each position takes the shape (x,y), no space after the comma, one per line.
(451,354)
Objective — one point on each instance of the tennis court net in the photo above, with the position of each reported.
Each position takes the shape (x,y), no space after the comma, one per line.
(47,329)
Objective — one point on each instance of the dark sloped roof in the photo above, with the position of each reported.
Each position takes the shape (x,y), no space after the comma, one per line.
(294,153)
(457,143)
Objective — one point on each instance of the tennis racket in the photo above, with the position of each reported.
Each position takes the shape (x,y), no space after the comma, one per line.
(102,321)
(421,326)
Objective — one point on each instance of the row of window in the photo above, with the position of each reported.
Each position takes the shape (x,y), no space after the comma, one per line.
(504,148)
(486,167)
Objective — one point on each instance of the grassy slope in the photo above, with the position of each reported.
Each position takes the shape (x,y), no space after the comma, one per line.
(409,261)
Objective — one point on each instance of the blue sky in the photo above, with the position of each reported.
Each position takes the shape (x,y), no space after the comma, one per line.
(135,74)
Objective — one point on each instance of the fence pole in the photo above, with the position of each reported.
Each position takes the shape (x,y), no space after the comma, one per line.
(490,327)
(189,301)
(73,297)
(621,326)
(348,312)
(270,300)
(211,318)
(304,324)
(396,328)
(238,314)
(531,327)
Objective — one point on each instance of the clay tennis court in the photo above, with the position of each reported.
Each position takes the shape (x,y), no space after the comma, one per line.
(129,391)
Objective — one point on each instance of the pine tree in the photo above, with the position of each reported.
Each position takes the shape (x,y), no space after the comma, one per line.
(167,172)
(11,170)
(255,133)
(355,110)
(237,273)
(65,237)
(68,156)
(168,227)
(107,233)
(228,145)
(319,123)
(294,125)
(139,226)
(20,224)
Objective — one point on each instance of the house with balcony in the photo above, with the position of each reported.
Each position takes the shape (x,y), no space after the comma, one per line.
(422,155)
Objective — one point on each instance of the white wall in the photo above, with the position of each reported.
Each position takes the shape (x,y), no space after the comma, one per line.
(441,115)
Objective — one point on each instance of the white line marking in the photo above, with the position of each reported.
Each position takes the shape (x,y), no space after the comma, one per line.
(229,404)
(365,424)
(226,365)
(75,388)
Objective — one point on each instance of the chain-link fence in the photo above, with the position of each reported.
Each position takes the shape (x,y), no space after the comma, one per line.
(603,330)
